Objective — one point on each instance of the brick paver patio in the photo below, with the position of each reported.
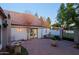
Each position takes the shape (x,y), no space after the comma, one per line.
(43,47)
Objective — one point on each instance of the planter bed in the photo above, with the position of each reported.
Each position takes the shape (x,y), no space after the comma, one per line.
(10,49)
(68,39)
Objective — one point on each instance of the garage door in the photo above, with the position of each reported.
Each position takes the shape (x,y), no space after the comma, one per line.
(18,34)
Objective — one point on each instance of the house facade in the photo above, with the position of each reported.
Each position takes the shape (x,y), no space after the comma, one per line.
(22,27)
(4,29)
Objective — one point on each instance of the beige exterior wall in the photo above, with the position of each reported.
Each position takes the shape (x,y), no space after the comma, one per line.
(21,32)
(45,31)
(6,34)
(40,33)
(18,33)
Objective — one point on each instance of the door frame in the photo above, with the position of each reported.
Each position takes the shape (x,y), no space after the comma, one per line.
(30,32)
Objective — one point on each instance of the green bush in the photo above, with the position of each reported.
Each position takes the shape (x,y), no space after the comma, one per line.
(55,38)
(24,51)
(10,49)
(76,46)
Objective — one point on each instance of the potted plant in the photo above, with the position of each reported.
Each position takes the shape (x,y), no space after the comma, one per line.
(54,40)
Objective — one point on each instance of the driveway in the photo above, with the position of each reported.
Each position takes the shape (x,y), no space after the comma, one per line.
(43,47)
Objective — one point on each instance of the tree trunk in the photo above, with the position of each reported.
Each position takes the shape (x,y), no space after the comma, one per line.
(76,35)
(61,33)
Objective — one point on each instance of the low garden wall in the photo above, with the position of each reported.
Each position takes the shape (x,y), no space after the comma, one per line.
(67,34)
(55,32)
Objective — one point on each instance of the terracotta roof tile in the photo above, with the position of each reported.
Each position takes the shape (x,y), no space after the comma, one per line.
(26,19)
(23,19)
(44,23)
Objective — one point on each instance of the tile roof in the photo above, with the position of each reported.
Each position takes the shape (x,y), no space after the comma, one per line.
(44,23)
(26,19)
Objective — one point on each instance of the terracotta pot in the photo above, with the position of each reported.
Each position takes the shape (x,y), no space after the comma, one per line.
(54,43)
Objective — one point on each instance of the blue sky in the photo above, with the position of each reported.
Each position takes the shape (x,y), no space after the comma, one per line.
(43,9)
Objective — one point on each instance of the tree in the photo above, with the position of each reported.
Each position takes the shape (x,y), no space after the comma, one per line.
(56,25)
(49,21)
(70,14)
(76,20)
(66,14)
(61,14)
(36,14)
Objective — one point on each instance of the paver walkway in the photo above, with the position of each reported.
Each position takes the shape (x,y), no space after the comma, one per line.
(43,47)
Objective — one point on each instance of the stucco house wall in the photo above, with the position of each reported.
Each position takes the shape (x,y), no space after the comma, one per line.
(39,32)
(4,30)
(45,31)
(19,33)
(24,34)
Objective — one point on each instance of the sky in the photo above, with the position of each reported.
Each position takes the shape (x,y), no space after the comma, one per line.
(42,9)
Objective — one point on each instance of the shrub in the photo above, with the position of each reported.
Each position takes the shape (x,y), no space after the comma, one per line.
(10,49)
(24,51)
(55,38)
(68,39)
(76,46)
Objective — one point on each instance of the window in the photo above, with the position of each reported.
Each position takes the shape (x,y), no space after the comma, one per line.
(18,29)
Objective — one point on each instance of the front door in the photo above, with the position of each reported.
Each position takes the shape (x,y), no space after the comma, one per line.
(33,33)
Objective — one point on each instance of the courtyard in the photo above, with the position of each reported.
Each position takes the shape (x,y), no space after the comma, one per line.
(43,47)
